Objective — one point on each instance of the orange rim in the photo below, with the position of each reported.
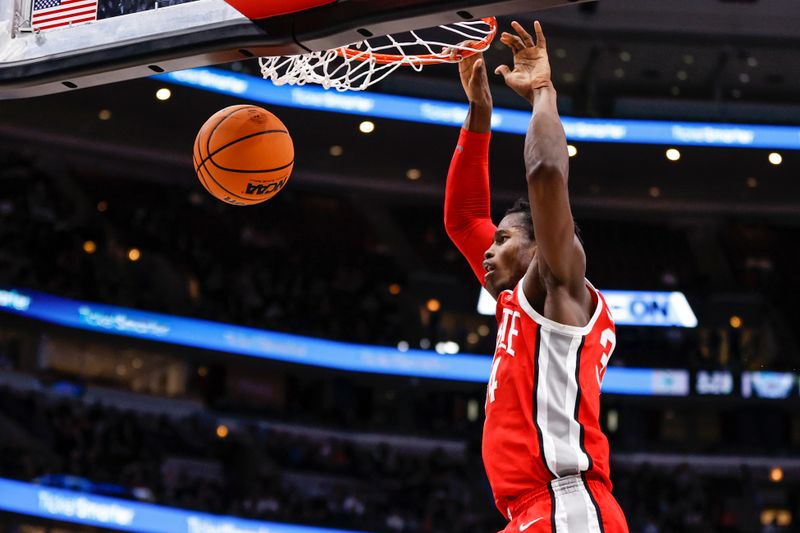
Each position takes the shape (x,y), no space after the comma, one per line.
(421,59)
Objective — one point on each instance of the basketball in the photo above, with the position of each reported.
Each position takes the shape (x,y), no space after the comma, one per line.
(243,155)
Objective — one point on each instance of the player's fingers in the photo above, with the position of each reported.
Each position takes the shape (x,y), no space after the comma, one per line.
(541,42)
(512,41)
(464,45)
(524,36)
(478,67)
(502,70)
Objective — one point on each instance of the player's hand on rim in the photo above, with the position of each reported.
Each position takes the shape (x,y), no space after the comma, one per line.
(531,65)
(472,71)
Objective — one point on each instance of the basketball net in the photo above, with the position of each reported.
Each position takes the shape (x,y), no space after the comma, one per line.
(357,66)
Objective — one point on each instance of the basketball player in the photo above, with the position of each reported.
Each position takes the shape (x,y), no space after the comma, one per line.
(543,450)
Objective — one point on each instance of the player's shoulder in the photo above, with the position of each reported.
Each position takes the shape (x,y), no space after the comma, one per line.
(602,317)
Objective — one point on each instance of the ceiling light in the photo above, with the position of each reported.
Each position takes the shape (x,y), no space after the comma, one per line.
(612,420)
(682,75)
(752,183)
(775,158)
(447,347)
(673,154)
(735,322)
(89,247)
(625,56)
(366,127)
(134,254)
(413,174)
(336,150)
(104,114)
(654,192)
(572,150)
(163,94)
(433,305)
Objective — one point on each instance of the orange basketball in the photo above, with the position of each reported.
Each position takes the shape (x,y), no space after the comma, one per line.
(243,155)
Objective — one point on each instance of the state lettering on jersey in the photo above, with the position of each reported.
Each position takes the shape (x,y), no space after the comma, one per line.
(507,331)
(505,344)
(493,381)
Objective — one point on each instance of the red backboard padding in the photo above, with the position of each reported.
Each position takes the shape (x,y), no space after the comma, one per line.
(261,9)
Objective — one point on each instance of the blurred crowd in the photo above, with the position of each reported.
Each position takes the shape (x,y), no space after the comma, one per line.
(258,471)
(315,264)
(276,268)
(252,471)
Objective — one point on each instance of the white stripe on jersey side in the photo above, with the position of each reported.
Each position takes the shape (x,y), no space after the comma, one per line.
(573,387)
(557,398)
(591,511)
(543,402)
(573,508)
(561,522)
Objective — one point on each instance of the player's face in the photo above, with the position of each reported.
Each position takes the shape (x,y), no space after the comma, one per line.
(509,256)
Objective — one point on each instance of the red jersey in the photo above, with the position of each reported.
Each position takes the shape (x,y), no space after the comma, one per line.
(542,431)
(543,398)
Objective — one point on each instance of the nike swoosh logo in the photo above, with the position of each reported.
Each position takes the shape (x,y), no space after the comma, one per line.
(523,527)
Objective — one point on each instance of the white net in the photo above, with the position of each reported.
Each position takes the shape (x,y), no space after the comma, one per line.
(357,66)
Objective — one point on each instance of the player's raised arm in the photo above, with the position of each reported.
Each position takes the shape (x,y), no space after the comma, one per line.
(546,159)
(467,212)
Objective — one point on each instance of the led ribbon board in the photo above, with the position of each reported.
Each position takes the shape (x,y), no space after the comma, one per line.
(769,385)
(632,308)
(295,348)
(370,104)
(125,515)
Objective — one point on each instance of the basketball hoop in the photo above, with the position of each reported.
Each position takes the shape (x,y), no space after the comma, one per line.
(357,66)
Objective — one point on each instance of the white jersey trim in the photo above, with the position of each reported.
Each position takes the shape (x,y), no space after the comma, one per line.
(573,509)
(552,324)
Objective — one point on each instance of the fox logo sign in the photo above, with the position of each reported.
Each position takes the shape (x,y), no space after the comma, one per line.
(259,189)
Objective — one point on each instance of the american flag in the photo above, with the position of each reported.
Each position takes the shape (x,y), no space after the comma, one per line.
(49,14)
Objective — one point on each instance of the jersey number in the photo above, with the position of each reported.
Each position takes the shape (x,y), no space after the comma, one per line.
(493,381)
(607,337)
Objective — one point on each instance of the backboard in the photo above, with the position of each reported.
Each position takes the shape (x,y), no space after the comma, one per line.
(48,46)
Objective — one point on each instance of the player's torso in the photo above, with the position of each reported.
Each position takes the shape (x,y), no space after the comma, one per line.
(543,398)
